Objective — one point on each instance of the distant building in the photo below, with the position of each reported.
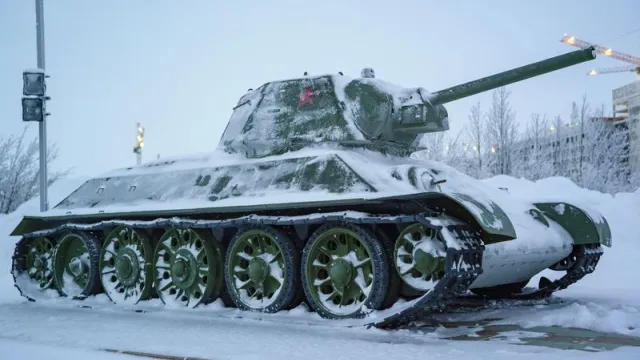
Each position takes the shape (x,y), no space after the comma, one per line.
(564,149)
(626,105)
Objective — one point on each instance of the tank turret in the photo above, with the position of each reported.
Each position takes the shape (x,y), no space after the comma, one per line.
(287,115)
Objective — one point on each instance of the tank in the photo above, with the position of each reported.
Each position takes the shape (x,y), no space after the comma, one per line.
(314,194)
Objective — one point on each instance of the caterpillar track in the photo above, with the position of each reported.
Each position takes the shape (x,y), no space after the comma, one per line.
(462,266)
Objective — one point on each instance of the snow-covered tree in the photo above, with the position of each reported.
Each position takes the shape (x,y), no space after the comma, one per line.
(502,132)
(449,150)
(437,146)
(20,170)
(580,117)
(533,158)
(476,132)
(605,148)
(434,144)
(558,150)
(454,152)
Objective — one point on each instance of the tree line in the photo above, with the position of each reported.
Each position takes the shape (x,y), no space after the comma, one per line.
(585,148)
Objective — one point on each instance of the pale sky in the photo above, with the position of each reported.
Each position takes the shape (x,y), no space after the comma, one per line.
(180,66)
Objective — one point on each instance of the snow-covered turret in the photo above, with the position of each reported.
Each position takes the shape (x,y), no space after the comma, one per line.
(288,115)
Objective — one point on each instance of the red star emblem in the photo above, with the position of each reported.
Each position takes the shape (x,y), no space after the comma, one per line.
(306,97)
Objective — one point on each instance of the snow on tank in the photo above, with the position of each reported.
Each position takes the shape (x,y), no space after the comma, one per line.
(319,171)
(287,115)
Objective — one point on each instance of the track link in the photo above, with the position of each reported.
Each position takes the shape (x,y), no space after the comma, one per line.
(583,261)
(462,266)
(463,262)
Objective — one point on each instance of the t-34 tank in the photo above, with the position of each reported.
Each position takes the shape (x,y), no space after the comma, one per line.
(312,195)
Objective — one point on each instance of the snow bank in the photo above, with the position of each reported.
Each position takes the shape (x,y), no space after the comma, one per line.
(609,298)
(617,272)
(29,350)
(604,316)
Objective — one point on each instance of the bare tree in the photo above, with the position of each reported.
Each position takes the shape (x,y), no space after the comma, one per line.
(580,117)
(439,147)
(604,165)
(533,157)
(475,131)
(434,144)
(454,153)
(502,131)
(20,170)
(560,166)
(537,128)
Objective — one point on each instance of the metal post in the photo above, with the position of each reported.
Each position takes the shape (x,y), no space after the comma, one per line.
(44,201)
(139,143)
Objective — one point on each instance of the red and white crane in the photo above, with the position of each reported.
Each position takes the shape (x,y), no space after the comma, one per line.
(635,61)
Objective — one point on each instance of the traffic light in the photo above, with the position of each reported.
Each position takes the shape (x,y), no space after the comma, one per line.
(33,109)
(33,89)
(33,83)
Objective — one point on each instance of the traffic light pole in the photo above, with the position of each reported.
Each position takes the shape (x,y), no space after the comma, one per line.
(44,199)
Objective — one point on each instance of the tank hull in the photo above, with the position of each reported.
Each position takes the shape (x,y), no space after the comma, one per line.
(422,225)
(327,176)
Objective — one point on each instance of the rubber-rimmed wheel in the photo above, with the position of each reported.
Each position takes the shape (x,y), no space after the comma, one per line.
(126,265)
(75,263)
(188,268)
(344,270)
(419,257)
(32,266)
(261,269)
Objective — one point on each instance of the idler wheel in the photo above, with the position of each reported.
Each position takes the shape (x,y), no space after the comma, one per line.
(32,267)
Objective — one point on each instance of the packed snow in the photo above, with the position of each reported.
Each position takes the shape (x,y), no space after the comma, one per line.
(29,350)
(607,300)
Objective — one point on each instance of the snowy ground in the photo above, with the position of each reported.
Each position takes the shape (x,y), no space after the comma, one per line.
(606,301)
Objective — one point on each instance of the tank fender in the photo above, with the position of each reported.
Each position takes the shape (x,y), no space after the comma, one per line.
(585,227)
(494,222)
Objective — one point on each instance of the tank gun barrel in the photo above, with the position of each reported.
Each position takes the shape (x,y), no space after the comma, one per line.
(512,76)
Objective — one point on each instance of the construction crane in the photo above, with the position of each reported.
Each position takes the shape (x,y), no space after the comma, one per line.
(635,61)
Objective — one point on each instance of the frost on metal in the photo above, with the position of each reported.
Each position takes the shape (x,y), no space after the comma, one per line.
(289,114)
(205,186)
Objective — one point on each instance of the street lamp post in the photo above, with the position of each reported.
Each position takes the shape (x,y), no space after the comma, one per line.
(34,102)
(137,149)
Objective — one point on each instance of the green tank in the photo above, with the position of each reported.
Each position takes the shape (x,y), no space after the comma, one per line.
(313,195)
